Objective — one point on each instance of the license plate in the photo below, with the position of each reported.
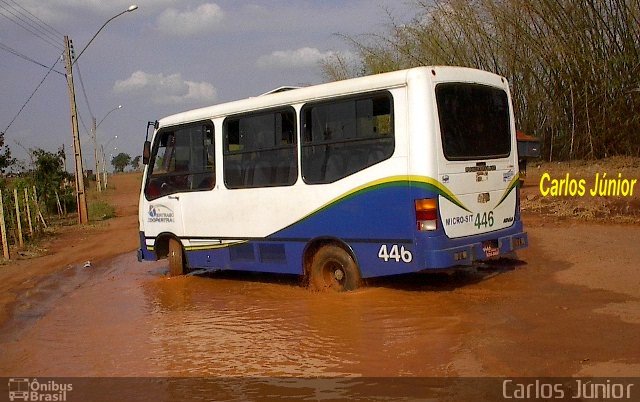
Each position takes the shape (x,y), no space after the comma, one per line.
(490,248)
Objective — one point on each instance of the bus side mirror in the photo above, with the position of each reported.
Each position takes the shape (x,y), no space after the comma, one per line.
(146,152)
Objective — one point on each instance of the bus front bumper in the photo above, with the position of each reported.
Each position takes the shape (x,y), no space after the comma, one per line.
(143,253)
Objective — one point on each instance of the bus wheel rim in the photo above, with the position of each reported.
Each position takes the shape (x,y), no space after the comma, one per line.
(334,272)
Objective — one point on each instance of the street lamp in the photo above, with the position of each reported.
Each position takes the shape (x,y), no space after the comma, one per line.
(108,113)
(94,129)
(128,10)
(81,198)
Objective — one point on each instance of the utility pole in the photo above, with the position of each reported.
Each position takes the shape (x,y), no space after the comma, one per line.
(94,133)
(81,198)
(104,167)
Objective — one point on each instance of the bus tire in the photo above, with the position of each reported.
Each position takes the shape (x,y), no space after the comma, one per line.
(332,268)
(176,258)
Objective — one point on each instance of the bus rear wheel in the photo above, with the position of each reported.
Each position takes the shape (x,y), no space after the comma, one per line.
(332,268)
(176,258)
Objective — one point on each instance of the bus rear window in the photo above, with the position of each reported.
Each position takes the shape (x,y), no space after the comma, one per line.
(474,121)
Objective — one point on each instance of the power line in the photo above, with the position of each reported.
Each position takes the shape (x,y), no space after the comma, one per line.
(20,21)
(30,21)
(84,125)
(22,56)
(84,92)
(32,94)
(36,34)
(41,22)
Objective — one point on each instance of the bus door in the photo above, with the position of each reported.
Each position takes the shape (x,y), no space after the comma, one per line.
(477,163)
(181,163)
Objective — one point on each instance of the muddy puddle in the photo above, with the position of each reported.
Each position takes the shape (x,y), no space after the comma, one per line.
(125,319)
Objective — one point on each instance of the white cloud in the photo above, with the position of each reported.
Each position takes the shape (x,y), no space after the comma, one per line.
(166,89)
(204,18)
(299,58)
(60,12)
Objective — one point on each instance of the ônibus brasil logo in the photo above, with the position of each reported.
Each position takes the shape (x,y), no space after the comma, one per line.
(160,213)
(26,389)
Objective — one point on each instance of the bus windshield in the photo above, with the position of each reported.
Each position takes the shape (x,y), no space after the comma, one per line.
(474,121)
(182,160)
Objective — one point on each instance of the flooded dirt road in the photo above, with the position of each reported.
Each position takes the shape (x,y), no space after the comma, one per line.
(571,306)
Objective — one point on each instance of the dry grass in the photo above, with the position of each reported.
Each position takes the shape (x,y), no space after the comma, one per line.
(615,209)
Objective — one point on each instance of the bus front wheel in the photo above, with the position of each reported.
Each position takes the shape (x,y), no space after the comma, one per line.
(332,268)
(176,258)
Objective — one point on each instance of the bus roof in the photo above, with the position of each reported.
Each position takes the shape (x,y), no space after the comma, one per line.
(317,92)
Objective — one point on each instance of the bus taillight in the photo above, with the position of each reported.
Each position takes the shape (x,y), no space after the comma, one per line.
(427,214)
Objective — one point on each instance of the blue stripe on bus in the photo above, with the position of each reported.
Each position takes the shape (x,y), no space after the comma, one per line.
(354,219)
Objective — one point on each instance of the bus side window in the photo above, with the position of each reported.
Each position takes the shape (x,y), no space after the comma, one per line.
(260,149)
(345,136)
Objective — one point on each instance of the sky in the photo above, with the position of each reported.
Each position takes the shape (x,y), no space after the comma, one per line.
(163,58)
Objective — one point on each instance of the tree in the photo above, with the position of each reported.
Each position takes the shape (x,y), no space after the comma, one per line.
(5,156)
(50,177)
(120,161)
(572,66)
(135,163)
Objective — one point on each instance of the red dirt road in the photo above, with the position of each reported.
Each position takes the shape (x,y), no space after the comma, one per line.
(73,245)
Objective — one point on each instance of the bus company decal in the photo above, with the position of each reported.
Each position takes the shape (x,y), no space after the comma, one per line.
(160,214)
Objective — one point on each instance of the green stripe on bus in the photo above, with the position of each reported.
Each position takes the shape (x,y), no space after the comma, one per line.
(424,182)
(515,182)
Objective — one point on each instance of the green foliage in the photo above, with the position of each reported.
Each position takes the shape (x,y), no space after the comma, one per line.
(6,160)
(574,66)
(135,163)
(120,162)
(50,177)
(100,210)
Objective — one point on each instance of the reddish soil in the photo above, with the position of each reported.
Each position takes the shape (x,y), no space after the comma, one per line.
(72,245)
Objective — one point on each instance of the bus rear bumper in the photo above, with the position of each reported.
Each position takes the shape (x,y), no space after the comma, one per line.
(470,253)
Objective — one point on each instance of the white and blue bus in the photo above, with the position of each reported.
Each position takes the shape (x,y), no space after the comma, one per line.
(408,171)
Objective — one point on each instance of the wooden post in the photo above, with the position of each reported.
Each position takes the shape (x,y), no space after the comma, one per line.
(35,199)
(3,230)
(15,197)
(33,210)
(58,204)
(26,203)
